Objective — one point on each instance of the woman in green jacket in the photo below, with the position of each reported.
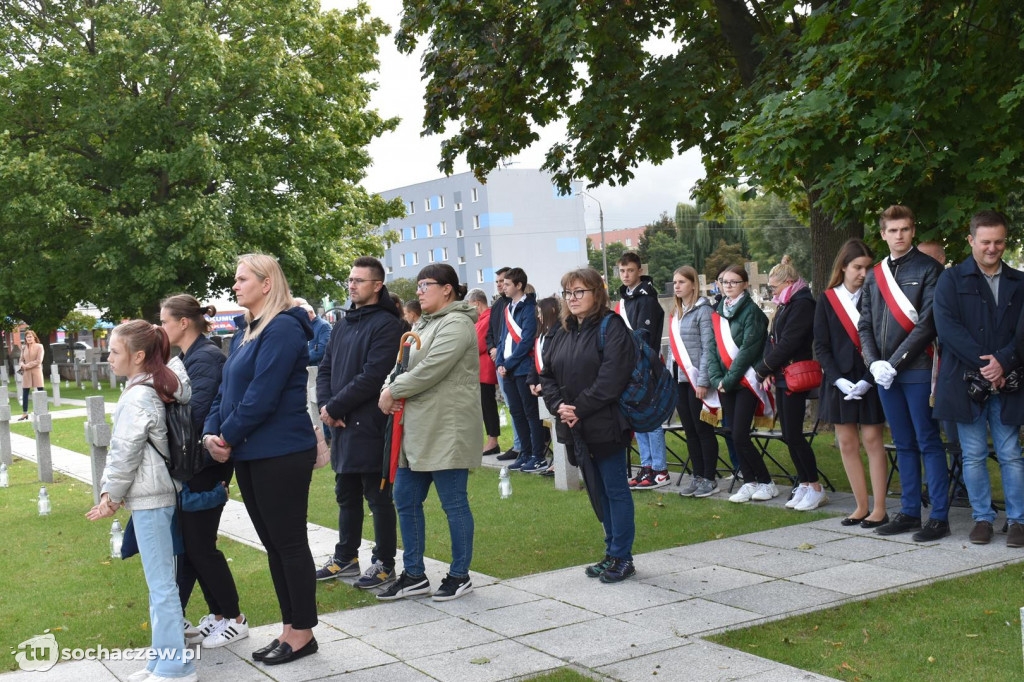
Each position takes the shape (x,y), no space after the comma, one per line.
(443,424)
(740,330)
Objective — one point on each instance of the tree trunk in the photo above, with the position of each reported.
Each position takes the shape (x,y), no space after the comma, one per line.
(827,236)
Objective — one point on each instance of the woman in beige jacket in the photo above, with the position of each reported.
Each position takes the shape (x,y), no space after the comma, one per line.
(443,424)
(31,368)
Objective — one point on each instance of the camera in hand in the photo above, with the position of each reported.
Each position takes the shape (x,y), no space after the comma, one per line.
(978,387)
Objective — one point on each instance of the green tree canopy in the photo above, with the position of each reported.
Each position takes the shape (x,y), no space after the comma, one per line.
(144,145)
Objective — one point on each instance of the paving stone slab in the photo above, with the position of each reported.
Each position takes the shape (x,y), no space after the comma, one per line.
(259,636)
(487,663)
(425,639)
(995,551)
(573,587)
(715,551)
(930,562)
(664,561)
(534,616)
(79,671)
(393,672)
(777,597)
(333,659)
(792,537)
(689,617)
(384,616)
(781,563)
(495,596)
(860,548)
(857,579)
(694,660)
(705,580)
(599,642)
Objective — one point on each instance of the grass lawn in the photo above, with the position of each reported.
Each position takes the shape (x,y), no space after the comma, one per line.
(970,624)
(561,675)
(61,576)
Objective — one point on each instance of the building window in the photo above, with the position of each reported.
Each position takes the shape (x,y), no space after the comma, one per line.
(401,235)
(444,253)
(403,260)
(476,195)
(415,258)
(479,276)
(458,233)
(430,256)
(390,270)
(476,222)
(443,227)
(430,230)
(629,242)
(440,201)
(412,232)
(462,260)
(426,204)
(458,205)
(412,208)
(479,249)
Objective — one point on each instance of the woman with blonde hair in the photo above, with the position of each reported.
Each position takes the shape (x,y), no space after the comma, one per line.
(849,397)
(259,421)
(692,341)
(31,367)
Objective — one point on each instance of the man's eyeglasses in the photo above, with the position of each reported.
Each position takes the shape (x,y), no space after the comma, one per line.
(731,282)
(360,282)
(423,286)
(575,294)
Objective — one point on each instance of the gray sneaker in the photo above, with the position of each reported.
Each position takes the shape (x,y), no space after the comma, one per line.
(706,488)
(691,487)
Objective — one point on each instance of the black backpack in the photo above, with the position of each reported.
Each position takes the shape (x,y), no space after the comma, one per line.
(186,458)
(650,396)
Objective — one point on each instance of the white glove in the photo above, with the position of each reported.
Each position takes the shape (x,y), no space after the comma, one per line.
(844,385)
(859,390)
(883,373)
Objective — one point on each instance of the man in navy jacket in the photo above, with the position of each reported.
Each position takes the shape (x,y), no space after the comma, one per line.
(977,307)
(360,353)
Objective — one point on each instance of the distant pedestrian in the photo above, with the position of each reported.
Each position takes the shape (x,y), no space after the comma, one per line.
(412,312)
(488,374)
(30,367)
(321,333)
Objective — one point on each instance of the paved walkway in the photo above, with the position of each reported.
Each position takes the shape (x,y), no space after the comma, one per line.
(652,625)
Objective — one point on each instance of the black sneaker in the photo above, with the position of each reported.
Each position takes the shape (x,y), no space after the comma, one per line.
(338,569)
(600,567)
(933,530)
(376,576)
(618,571)
(406,586)
(520,462)
(508,455)
(453,588)
(901,523)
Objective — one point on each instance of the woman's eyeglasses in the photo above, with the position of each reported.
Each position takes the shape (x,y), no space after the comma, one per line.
(423,286)
(731,282)
(575,294)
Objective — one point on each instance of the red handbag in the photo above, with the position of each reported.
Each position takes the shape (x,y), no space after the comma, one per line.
(802,376)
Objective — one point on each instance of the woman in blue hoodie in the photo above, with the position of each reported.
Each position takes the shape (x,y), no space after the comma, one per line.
(259,421)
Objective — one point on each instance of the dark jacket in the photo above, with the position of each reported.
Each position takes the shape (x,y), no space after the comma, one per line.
(790,338)
(881,336)
(576,373)
(318,344)
(525,315)
(971,323)
(260,408)
(644,312)
(497,322)
(204,363)
(359,356)
(749,328)
(833,348)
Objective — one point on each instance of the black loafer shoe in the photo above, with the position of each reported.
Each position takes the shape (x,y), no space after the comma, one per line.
(850,521)
(284,653)
(508,455)
(874,524)
(259,654)
(901,523)
(933,530)
(496,450)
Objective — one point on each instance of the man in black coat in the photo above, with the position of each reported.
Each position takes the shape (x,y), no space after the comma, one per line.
(359,356)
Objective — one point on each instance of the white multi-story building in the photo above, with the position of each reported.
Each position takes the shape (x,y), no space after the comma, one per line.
(517,219)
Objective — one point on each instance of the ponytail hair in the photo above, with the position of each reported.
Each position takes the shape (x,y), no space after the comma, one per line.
(181,306)
(151,339)
(785,271)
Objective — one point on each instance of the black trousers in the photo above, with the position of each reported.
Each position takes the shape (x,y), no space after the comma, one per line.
(791,410)
(740,405)
(349,491)
(700,436)
(526,416)
(276,493)
(489,405)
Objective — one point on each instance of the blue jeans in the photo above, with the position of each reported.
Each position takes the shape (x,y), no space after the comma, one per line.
(411,488)
(652,449)
(916,437)
(156,547)
(1005,440)
(526,417)
(517,445)
(617,504)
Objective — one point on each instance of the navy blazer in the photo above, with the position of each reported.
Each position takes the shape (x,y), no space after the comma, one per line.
(833,347)
(971,323)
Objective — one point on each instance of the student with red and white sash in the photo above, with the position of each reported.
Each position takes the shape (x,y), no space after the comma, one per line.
(789,340)
(548,326)
(692,341)
(740,331)
(849,398)
(514,358)
(896,334)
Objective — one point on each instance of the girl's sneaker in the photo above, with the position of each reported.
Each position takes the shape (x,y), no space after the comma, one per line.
(228,630)
(745,493)
(706,488)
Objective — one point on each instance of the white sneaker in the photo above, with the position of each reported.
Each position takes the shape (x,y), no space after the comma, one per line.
(798,496)
(139,676)
(228,631)
(745,493)
(813,499)
(191,677)
(765,491)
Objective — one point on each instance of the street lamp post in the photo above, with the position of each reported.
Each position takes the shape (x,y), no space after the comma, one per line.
(604,252)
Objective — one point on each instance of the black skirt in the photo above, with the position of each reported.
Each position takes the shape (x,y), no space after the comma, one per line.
(834,409)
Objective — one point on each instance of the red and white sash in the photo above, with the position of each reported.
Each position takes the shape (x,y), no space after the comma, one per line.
(846,311)
(515,332)
(727,350)
(899,305)
(620,310)
(538,352)
(682,358)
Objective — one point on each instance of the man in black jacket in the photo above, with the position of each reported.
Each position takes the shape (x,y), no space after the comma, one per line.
(641,311)
(494,330)
(359,356)
(896,331)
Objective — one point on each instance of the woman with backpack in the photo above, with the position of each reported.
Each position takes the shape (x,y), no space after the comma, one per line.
(184,321)
(582,385)
(136,476)
(259,421)
(740,330)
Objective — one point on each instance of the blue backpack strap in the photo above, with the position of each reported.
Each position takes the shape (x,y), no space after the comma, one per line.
(601,333)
